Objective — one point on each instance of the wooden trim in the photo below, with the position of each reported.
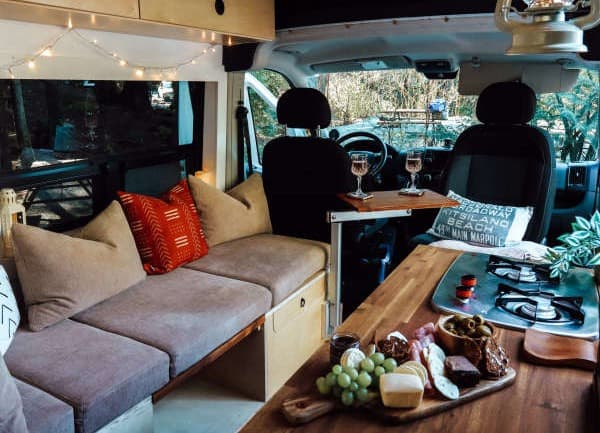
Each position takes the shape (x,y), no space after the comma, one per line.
(208,359)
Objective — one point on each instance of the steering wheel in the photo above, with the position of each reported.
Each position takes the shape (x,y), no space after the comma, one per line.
(376,157)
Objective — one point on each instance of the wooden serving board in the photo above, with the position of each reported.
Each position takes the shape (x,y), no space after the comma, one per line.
(304,409)
(547,349)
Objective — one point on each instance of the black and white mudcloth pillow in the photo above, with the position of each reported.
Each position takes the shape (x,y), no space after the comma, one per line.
(482,223)
(9,312)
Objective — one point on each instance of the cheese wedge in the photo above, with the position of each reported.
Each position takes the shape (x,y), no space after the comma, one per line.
(401,390)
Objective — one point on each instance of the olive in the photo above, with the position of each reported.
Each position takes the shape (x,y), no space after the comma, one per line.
(449,326)
(460,333)
(478,318)
(484,331)
(469,323)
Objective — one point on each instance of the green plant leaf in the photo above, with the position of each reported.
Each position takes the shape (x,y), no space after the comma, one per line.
(596,218)
(581,234)
(555,273)
(574,242)
(583,223)
(594,261)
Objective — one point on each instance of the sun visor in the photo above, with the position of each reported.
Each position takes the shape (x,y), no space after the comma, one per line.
(542,78)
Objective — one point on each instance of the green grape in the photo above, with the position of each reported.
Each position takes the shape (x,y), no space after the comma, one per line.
(353,386)
(352,372)
(367,365)
(347,397)
(379,370)
(378,358)
(389,364)
(364,379)
(362,394)
(343,380)
(331,379)
(336,369)
(322,386)
(336,391)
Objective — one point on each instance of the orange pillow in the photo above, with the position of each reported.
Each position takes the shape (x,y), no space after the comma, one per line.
(167,232)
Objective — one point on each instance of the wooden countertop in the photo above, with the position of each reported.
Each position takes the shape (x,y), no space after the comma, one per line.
(391,200)
(542,399)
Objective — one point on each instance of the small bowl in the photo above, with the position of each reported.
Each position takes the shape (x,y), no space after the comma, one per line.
(451,343)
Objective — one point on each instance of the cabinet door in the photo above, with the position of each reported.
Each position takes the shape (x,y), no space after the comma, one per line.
(250,18)
(123,8)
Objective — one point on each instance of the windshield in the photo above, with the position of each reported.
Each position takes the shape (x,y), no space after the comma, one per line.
(405,110)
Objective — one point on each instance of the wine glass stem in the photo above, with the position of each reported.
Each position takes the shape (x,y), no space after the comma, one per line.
(359,189)
(413,186)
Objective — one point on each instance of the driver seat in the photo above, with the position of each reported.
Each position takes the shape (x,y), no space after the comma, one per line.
(302,175)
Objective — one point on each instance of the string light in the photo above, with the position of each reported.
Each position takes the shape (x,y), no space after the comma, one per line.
(139,70)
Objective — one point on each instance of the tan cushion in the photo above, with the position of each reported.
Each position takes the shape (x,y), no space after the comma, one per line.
(242,211)
(61,275)
(279,263)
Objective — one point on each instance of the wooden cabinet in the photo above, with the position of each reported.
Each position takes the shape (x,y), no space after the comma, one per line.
(122,8)
(248,18)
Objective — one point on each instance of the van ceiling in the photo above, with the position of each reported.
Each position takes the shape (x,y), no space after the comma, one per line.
(350,45)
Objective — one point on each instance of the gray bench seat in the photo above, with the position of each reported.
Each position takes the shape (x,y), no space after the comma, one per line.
(279,263)
(43,412)
(185,313)
(101,375)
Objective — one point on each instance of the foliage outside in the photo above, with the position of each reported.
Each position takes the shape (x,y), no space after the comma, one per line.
(378,102)
(581,247)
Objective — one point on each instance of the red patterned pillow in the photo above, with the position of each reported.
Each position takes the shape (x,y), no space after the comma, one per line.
(167,232)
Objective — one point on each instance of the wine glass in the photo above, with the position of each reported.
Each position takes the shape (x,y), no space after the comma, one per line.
(360,167)
(414,164)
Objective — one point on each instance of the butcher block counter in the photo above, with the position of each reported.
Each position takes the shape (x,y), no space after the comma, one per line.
(541,400)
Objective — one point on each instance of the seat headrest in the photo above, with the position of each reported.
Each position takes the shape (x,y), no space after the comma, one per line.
(303,108)
(508,102)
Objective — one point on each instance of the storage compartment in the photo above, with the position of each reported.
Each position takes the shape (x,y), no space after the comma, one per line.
(260,364)
(122,8)
(254,19)
(293,332)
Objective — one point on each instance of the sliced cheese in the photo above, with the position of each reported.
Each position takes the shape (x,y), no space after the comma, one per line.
(401,390)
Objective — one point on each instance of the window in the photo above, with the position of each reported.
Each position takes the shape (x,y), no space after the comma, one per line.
(571,118)
(405,109)
(66,146)
(401,107)
(264,88)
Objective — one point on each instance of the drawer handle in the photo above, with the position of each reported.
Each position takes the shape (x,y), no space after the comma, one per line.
(302,302)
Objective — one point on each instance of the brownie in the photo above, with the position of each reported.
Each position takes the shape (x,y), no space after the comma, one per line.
(460,371)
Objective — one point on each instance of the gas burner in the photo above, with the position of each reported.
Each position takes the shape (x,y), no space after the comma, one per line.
(522,272)
(540,306)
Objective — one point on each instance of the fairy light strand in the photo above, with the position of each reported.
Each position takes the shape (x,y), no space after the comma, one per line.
(47,50)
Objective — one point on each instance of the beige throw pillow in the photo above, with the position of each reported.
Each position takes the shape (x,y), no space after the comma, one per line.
(242,211)
(62,275)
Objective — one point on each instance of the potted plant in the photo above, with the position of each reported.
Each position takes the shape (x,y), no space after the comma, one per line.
(581,247)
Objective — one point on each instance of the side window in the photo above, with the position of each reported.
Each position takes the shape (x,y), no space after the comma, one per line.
(571,118)
(263,89)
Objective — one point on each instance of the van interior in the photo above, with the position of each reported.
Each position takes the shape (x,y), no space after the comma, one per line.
(254,115)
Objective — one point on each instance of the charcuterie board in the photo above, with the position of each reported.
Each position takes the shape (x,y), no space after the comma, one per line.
(304,409)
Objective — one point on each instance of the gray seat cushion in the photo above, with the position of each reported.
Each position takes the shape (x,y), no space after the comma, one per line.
(101,375)
(279,263)
(185,313)
(45,413)
(12,418)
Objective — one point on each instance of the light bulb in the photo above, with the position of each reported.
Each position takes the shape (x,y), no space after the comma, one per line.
(47,52)
(31,64)
(213,49)
(122,62)
(139,72)
(70,23)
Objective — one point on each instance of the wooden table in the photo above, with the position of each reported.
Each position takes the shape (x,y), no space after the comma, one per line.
(383,204)
(542,399)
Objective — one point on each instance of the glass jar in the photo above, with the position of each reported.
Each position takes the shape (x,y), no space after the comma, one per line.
(339,343)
